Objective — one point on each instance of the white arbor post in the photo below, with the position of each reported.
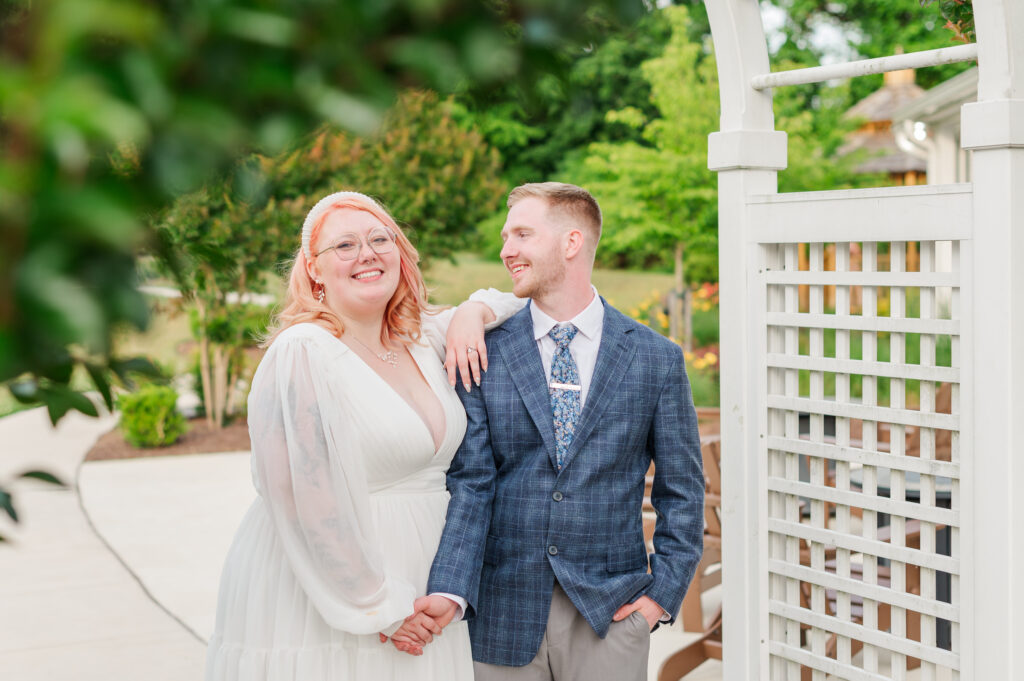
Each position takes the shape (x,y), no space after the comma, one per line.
(747,154)
(865,535)
(993,128)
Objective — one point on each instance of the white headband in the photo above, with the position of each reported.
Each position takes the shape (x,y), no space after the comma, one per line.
(319,209)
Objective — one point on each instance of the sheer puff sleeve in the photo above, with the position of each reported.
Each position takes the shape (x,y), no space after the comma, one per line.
(315,488)
(503,305)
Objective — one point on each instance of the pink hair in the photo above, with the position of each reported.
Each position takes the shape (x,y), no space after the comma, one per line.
(402,313)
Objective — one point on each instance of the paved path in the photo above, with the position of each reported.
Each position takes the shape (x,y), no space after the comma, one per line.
(116,578)
(69,609)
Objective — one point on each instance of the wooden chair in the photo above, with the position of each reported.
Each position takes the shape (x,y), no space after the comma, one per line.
(943,438)
(913,584)
(707,575)
(709,645)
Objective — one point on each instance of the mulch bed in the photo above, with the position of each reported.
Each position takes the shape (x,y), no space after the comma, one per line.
(200,439)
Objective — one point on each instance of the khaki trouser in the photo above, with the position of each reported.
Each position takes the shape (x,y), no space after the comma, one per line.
(571,651)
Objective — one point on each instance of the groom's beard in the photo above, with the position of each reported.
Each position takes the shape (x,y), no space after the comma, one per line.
(543,278)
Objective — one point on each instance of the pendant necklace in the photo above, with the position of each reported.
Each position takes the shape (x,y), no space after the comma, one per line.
(389,356)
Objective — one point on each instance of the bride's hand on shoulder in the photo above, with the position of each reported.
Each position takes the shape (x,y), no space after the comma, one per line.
(464,343)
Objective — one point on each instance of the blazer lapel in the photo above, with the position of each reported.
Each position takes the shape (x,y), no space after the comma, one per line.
(614,356)
(519,348)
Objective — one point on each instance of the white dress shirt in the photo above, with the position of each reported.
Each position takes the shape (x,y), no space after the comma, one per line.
(583,347)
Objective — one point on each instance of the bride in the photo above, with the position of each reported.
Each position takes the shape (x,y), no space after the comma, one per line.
(353,423)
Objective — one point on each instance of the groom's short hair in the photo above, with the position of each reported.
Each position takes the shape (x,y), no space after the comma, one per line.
(571,201)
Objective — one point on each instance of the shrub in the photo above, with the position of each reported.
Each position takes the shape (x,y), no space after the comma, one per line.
(149,417)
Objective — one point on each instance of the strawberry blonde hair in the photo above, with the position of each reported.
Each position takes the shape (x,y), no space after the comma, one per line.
(402,313)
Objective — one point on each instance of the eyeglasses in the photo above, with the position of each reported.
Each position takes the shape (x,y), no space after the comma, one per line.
(348,246)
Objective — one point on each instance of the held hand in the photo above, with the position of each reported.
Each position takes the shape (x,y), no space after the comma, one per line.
(432,614)
(404,647)
(465,343)
(651,611)
(441,609)
(419,629)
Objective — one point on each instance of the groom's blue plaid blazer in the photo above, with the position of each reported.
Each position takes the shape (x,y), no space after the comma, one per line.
(516,523)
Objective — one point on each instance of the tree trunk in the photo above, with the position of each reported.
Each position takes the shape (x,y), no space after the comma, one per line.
(681,312)
(688,320)
(204,363)
(237,363)
(676,327)
(220,381)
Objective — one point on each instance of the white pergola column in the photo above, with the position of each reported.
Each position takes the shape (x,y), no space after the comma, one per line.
(993,128)
(747,154)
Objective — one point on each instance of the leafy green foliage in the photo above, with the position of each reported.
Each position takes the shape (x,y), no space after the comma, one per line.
(433,173)
(436,175)
(7,500)
(870,28)
(112,108)
(149,417)
(658,191)
(534,134)
(959,15)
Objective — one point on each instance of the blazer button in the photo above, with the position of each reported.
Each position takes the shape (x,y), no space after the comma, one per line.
(557,496)
(553,550)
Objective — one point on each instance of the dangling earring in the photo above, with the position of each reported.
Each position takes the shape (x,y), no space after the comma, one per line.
(320,294)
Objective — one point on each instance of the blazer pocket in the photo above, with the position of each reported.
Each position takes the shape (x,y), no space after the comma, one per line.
(626,558)
(492,550)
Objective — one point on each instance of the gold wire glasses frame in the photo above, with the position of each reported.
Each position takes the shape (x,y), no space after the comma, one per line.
(348,246)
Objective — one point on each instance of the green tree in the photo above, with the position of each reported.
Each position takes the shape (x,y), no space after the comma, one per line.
(869,29)
(222,249)
(427,164)
(534,133)
(228,238)
(112,108)
(438,176)
(658,196)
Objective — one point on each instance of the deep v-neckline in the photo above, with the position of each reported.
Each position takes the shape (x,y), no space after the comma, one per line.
(421,418)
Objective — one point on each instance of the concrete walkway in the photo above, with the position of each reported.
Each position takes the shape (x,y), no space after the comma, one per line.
(69,608)
(116,578)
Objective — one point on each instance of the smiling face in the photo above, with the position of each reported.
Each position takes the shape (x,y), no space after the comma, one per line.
(362,286)
(534,249)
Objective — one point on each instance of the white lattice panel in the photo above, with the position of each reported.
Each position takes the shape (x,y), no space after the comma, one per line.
(862,448)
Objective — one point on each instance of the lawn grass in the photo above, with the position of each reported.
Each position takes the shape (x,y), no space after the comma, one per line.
(166,341)
(451,283)
(168,338)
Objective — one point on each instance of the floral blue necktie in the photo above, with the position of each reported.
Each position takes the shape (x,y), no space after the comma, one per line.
(564,389)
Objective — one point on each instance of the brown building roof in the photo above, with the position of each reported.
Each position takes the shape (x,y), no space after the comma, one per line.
(874,138)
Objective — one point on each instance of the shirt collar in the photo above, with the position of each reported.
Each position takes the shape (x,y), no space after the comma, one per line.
(588,321)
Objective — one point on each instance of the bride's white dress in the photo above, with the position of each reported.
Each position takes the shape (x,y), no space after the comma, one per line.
(351,506)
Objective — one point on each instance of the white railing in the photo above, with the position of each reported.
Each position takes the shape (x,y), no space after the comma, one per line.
(865,67)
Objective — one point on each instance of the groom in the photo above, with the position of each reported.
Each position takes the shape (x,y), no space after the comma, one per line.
(543,547)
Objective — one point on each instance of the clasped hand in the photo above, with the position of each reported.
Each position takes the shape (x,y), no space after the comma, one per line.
(431,614)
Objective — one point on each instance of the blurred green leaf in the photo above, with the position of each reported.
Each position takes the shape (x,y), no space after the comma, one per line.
(114,109)
(126,368)
(7,504)
(99,379)
(44,477)
(60,400)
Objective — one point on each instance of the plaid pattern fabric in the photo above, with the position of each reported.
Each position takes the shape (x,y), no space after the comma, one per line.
(565,402)
(516,523)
